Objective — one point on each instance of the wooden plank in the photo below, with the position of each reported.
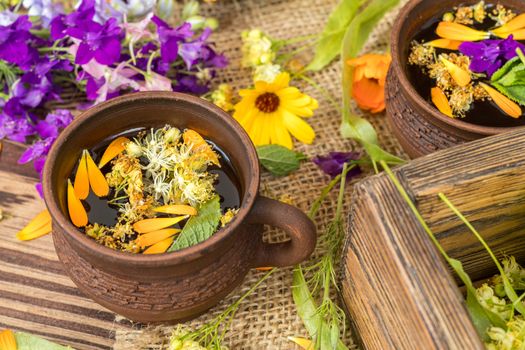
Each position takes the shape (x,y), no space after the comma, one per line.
(36,295)
(397,288)
(10,152)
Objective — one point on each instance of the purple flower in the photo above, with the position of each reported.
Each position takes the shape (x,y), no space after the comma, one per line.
(333,163)
(15,128)
(171,38)
(190,84)
(98,41)
(15,43)
(487,56)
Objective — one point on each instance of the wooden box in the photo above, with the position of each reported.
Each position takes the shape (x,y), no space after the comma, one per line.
(399,291)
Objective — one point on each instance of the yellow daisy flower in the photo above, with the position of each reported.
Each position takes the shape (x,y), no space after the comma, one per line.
(270,112)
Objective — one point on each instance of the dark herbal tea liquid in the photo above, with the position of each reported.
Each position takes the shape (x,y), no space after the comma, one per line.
(485,113)
(227,186)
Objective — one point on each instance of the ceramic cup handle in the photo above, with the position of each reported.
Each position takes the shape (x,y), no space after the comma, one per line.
(294,222)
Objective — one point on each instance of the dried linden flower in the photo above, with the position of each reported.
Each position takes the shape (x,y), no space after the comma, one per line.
(421,55)
(502,15)
(222,97)
(256,48)
(228,216)
(464,15)
(479,12)
(460,99)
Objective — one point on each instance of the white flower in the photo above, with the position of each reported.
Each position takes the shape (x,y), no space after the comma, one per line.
(266,72)
(256,49)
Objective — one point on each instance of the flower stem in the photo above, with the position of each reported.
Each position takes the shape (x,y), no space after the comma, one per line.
(53,49)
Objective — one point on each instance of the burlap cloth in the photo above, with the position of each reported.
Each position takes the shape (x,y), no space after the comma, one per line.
(268,316)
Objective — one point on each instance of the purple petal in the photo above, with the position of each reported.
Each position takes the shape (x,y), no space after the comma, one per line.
(84,54)
(109,52)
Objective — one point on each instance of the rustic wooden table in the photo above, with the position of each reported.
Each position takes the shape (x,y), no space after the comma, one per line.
(36,296)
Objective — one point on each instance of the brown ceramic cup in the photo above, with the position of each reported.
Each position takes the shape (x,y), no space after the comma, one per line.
(420,128)
(182,284)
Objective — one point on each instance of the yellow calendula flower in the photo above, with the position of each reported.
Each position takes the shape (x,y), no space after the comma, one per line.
(270,112)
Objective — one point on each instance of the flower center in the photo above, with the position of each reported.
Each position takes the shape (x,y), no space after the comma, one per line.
(267,102)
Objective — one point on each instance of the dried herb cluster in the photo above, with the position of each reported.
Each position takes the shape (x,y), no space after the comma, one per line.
(468,64)
(160,184)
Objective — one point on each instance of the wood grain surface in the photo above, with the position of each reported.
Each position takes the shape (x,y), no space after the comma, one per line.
(398,289)
(36,296)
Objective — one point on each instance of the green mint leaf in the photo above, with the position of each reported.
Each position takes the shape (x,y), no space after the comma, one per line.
(279,160)
(26,341)
(199,227)
(514,92)
(329,45)
(510,80)
(507,67)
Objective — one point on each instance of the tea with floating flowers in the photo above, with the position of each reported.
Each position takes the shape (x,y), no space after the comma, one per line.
(153,191)
(469,64)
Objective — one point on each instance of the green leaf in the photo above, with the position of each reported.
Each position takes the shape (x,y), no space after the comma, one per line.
(329,45)
(199,227)
(510,80)
(26,341)
(515,92)
(352,126)
(307,311)
(507,67)
(279,160)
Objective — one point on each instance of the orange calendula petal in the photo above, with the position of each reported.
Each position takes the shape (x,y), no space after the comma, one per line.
(151,238)
(304,343)
(176,209)
(81,178)
(7,340)
(98,182)
(160,247)
(460,32)
(514,24)
(266,268)
(43,218)
(440,100)
(155,224)
(29,235)
(116,147)
(77,213)
(445,44)
(460,76)
(191,137)
(508,106)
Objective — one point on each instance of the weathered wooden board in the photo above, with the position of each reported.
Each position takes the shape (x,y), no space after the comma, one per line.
(36,295)
(397,288)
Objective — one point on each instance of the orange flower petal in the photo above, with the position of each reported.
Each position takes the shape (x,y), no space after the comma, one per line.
(98,182)
(304,343)
(517,35)
(42,219)
(7,340)
(160,247)
(369,95)
(460,32)
(176,209)
(267,268)
(116,147)
(445,44)
(81,178)
(460,76)
(441,101)
(77,213)
(514,24)
(29,235)
(200,145)
(155,224)
(507,105)
(151,238)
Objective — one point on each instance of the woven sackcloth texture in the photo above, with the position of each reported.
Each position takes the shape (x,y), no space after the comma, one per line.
(268,316)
